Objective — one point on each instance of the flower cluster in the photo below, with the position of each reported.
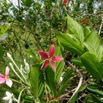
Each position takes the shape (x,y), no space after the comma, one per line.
(49,58)
(9,97)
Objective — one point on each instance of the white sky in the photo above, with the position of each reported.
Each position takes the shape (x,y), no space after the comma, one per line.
(15,2)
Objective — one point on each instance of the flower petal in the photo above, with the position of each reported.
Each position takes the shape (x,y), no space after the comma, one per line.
(52,65)
(57,58)
(2,76)
(8,94)
(9,82)
(65,1)
(51,50)
(7,71)
(10,101)
(2,80)
(43,54)
(15,99)
(6,98)
(45,64)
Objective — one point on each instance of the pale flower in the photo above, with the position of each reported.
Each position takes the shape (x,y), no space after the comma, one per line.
(5,78)
(10,97)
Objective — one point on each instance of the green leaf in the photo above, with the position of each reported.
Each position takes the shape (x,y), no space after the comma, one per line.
(59,68)
(87,31)
(33,53)
(64,83)
(75,29)
(76,61)
(34,79)
(95,90)
(41,83)
(91,63)
(91,98)
(27,2)
(94,45)
(50,75)
(4,28)
(69,44)
(74,98)
(60,65)
(83,87)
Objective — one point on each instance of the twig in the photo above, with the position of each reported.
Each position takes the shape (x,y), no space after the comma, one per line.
(64,95)
(80,80)
(101,25)
(93,14)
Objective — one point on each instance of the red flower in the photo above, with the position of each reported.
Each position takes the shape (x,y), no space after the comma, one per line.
(84,21)
(65,1)
(49,58)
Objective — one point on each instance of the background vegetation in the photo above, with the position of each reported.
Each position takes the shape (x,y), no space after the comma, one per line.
(31,25)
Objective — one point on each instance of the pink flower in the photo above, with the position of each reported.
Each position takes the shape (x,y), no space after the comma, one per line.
(49,58)
(5,78)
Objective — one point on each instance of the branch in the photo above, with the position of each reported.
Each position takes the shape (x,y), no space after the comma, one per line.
(101,25)
(80,81)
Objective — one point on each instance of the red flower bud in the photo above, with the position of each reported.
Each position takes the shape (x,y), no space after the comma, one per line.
(65,1)
(53,42)
(84,21)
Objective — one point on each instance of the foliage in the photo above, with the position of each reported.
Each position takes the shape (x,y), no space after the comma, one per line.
(74,28)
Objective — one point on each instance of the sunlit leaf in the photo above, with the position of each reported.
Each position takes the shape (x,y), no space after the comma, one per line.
(90,62)
(69,44)
(4,28)
(94,45)
(75,29)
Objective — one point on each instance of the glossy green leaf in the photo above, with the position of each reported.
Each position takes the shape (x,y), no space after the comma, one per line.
(87,31)
(69,44)
(94,45)
(75,29)
(34,79)
(90,62)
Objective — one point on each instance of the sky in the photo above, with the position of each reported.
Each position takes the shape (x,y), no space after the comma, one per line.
(15,2)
